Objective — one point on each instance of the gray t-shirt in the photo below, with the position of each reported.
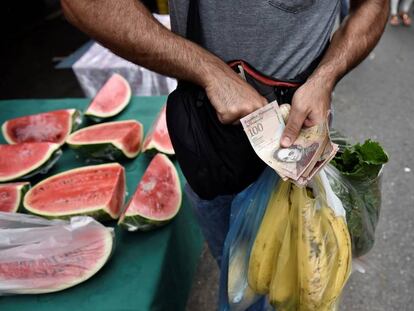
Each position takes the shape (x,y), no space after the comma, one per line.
(277,37)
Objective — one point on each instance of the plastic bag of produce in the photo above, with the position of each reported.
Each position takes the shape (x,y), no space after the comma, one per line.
(355,177)
(247,212)
(287,243)
(42,256)
(311,256)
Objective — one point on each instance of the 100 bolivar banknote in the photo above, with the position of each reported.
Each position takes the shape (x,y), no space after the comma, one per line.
(300,161)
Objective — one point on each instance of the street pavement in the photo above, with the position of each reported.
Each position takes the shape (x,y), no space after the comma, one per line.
(376,100)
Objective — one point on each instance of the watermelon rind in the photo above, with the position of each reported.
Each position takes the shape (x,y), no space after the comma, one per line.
(98,116)
(99,152)
(137,222)
(60,262)
(110,150)
(41,167)
(75,122)
(153,147)
(96,119)
(100,212)
(21,189)
(45,168)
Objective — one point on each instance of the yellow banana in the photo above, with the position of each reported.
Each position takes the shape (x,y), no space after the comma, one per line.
(343,257)
(284,290)
(313,255)
(268,240)
(236,276)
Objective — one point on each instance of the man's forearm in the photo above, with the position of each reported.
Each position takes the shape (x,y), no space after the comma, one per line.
(128,28)
(353,41)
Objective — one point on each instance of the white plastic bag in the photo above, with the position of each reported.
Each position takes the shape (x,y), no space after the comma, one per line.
(42,256)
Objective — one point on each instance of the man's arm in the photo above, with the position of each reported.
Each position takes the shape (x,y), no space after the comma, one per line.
(128,28)
(351,43)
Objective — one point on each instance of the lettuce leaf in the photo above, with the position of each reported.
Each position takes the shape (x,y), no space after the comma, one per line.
(362,162)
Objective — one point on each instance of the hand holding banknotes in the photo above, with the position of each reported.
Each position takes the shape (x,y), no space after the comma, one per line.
(310,106)
(302,159)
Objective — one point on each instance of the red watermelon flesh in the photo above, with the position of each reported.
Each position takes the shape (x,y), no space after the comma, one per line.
(21,159)
(158,137)
(53,126)
(11,196)
(111,99)
(48,267)
(157,198)
(96,190)
(125,135)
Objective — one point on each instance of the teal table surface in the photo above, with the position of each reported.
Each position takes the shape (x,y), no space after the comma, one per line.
(148,270)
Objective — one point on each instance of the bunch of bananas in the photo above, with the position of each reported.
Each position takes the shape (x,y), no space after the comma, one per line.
(301,256)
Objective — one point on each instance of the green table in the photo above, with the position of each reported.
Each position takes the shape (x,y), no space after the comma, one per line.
(148,271)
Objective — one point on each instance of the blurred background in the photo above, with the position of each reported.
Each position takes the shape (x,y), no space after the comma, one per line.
(43,56)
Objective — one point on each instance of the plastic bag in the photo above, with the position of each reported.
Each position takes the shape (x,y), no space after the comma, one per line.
(352,197)
(42,256)
(247,212)
(358,186)
(277,228)
(302,256)
(362,201)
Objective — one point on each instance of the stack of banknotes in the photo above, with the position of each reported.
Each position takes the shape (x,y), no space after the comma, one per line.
(299,162)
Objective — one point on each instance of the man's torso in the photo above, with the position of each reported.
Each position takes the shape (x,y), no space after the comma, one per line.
(278,37)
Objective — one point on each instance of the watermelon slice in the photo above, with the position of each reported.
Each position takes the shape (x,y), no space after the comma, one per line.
(53,127)
(54,258)
(108,141)
(157,198)
(96,190)
(11,196)
(27,159)
(158,138)
(111,99)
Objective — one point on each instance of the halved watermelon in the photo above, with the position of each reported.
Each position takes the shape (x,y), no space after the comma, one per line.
(96,190)
(157,138)
(157,198)
(46,264)
(11,196)
(27,159)
(52,127)
(111,99)
(109,141)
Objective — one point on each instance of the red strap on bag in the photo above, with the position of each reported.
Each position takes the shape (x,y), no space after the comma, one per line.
(260,77)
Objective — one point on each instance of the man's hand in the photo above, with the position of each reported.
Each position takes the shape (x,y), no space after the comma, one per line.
(232,97)
(310,106)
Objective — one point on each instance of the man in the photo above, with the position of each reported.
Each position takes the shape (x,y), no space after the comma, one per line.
(282,46)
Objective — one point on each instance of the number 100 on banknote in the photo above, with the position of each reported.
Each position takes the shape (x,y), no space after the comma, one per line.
(263,129)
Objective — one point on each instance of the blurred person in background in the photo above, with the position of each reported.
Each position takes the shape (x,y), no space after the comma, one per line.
(400,12)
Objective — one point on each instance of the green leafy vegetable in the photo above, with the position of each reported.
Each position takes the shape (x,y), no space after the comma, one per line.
(358,184)
(361,161)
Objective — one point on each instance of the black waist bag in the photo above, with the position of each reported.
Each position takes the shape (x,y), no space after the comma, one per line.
(217,159)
